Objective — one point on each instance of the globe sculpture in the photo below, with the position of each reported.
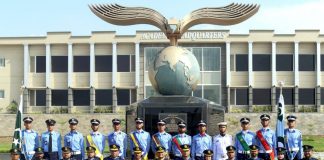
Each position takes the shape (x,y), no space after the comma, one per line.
(175,71)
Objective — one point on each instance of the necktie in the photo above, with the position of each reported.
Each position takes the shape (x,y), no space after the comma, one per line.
(50,143)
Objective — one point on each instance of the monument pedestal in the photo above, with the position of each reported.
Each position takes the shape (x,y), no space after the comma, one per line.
(173,109)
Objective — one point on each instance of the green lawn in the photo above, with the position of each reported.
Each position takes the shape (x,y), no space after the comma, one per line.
(316,141)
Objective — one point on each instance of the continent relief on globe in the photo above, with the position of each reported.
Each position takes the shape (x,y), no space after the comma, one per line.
(175,71)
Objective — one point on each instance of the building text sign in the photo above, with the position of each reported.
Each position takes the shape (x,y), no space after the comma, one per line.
(188,35)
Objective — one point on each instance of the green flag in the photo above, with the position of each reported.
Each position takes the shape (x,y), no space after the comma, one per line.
(16,142)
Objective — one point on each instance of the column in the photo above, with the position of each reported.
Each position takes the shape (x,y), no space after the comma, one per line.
(48,66)
(137,64)
(228,108)
(92,64)
(26,105)
(250,66)
(114,76)
(250,74)
(48,100)
(273,76)
(26,65)
(70,100)
(92,99)
(296,74)
(228,64)
(70,64)
(318,76)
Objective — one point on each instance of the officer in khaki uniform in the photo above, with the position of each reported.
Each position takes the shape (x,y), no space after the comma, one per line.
(308,152)
(39,154)
(185,152)
(254,149)
(66,153)
(91,153)
(15,154)
(208,154)
(137,153)
(160,153)
(230,152)
(281,153)
(114,153)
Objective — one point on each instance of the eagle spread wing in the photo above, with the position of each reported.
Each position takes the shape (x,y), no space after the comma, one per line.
(120,15)
(228,15)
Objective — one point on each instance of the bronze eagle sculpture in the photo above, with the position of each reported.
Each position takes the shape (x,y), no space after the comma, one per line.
(173,29)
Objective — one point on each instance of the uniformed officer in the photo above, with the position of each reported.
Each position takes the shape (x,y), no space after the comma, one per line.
(118,137)
(281,152)
(201,141)
(254,152)
(308,152)
(230,152)
(161,138)
(75,140)
(180,139)
(51,141)
(91,153)
(140,138)
(96,139)
(67,153)
(15,154)
(293,139)
(39,154)
(30,139)
(137,153)
(185,153)
(266,139)
(114,153)
(244,139)
(221,141)
(160,153)
(208,154)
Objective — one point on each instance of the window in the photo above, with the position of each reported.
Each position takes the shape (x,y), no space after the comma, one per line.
(242,96)
(288,94)
(150,53)
(104,97)
(125,63)
(307,96)
(40,97)
(322,62)
(212,93)
(81,97)
(40,64)
(2,62)
(241,62)
(322,96)
(211,59)
(59,97)
(59,64)
(81,63)
(284,62)
(198,54)
(103,63)
(2,94)
(126,96)
(261,62)
(306,63)
(261,96)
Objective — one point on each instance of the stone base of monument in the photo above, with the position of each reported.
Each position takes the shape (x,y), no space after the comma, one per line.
(173,109)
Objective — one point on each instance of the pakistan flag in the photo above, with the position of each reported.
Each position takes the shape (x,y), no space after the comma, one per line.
(16,142)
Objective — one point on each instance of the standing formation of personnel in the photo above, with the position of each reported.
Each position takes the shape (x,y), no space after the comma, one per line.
(245,145)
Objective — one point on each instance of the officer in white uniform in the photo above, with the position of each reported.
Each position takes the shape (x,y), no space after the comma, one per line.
(221,141)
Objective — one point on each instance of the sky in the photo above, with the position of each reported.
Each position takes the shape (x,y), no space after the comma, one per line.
(37,17)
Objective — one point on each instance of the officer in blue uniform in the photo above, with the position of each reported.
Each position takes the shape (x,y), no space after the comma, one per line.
(185,153)
(30,140)
(243,140)
(95,138)
(91,153)
(230,152)
(308,152)
(208,154)
(200,142)
(67,153)
(74,140)
(161,138)
(15,154)
(51,141)
(39,154)
(118,137)
(140,138)
(268,135)
(114,153)
(254,149)
(180,139)
(293,139)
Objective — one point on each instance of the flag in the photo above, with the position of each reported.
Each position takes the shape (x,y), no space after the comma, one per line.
(280,128)
(16,142)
